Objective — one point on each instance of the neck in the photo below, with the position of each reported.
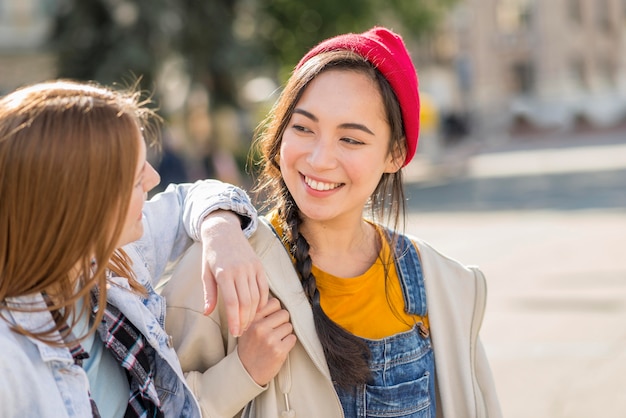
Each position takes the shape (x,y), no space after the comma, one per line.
(342,249)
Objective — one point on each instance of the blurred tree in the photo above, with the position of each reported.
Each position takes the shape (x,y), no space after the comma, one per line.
(212,53)
(108,40)
(218,40)
(183,50)
(288,28)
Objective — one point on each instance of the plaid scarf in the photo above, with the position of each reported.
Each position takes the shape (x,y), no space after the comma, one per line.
(129,348)
(76,350)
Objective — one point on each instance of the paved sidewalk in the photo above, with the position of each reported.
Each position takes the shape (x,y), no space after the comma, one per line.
(557,154)
(554,328)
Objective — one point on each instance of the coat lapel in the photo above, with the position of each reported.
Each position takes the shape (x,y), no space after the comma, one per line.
(285,285)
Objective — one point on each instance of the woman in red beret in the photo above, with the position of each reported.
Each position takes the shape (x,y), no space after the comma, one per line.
(372,322)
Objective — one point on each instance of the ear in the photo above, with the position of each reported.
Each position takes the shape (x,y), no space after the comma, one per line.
(395,159)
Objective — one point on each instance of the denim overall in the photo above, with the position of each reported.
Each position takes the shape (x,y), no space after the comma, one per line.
(402,365)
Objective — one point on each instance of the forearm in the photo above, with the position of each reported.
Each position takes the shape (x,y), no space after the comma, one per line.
(208,196)
(174,218)
(224,389)
(207,351)
(220,223)
(208,356)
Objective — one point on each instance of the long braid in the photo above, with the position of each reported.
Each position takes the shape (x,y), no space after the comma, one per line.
(346,354)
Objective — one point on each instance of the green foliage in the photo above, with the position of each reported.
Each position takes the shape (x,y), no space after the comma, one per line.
(219,40)
(109,41)
(289,28)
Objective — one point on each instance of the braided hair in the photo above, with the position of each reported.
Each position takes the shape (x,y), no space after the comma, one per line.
(347,355)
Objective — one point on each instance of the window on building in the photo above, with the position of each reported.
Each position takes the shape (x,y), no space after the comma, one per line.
(524,77)
(526,14)
(579,73)
(575,11)
(608,72)
(603,15)
(513,15)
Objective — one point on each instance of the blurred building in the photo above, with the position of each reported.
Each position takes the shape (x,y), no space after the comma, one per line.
(24,30)
(496,65)
(515,64)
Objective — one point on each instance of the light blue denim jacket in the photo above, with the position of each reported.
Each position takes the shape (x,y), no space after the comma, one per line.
(37,380)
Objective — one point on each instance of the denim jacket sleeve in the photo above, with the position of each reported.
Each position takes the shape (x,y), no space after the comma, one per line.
(172,221)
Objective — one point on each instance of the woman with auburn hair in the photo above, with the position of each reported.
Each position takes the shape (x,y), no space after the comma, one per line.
(81,326)
(371,322)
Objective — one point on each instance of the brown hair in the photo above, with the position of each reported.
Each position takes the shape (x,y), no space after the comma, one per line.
(347,355)
(68,155)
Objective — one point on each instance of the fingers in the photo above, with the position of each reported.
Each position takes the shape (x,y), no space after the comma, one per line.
(209,287)
(244,307)
(264,347)
(237,272)
(289,341)
(242,299)
(273,320)
(247,311)
(231,303)
(270,307)
(243,291)
(264,290)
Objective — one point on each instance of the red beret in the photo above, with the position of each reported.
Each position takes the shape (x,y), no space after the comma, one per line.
(387,52)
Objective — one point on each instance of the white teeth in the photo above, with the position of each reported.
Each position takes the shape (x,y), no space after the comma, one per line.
(318,185)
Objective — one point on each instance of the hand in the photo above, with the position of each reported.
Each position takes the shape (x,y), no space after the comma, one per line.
(264,347)
(230,263)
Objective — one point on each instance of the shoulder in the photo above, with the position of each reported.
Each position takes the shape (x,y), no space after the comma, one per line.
(425,251)
(10,342)
(266,239)
(19,362)
(445,274)
(28,386)
(431,255)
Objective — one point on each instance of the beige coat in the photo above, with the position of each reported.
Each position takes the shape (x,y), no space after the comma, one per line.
(456,301)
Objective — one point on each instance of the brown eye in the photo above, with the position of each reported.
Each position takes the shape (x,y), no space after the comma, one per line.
(352,141)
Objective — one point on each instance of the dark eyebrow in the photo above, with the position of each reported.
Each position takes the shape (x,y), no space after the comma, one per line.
(356,126)
(343,125)
(306,114)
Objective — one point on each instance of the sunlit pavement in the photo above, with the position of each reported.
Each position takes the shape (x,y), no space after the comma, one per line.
(546,222)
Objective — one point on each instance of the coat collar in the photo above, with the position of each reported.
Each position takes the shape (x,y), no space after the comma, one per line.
(37,320)
(284,283)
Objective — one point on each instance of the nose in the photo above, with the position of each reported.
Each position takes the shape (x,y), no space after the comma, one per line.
(152,178)
(322,155)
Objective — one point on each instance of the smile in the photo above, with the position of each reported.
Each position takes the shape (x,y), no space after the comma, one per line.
(318,185)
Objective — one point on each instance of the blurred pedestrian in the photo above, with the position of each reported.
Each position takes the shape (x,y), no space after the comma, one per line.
(82,327)
(385,324)
(170,164)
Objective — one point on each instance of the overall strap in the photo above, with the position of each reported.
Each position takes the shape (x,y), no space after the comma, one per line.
(410,273)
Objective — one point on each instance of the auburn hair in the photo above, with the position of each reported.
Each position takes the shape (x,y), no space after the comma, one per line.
(68,156)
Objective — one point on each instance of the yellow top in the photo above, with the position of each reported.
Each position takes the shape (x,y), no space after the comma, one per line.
(368,305)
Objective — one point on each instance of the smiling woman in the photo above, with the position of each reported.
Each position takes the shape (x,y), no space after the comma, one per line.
(335,148)
(385,324)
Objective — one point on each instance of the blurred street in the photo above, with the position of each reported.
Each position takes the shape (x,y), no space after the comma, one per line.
(545,219)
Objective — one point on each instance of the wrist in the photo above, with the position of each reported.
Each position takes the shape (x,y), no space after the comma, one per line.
(222,216)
